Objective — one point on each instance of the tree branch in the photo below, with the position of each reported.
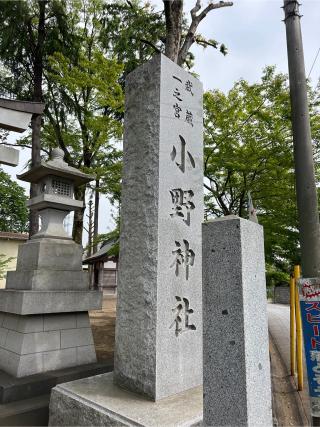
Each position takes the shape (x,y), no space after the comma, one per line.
(202,41)
(195,21)
(150,44)
(213,6)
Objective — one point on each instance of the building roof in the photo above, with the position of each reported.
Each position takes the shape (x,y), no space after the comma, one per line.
(6,235)
(105,253)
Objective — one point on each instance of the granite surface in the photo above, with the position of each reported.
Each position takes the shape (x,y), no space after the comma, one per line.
(97,401)
(159,313)
(237,389)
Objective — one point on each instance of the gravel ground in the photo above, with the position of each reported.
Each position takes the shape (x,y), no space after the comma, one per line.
(103,327)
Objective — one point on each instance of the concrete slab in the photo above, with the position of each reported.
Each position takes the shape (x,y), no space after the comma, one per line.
(97,401)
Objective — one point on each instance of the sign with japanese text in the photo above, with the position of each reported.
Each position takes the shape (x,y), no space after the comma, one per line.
(309,293)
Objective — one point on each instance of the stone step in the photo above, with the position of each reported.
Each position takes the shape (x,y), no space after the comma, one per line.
(17,389)
(28,412)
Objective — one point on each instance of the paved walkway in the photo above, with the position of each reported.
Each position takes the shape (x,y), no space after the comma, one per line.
(285,386)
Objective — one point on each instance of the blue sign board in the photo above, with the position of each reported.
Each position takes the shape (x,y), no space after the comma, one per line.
(309,293)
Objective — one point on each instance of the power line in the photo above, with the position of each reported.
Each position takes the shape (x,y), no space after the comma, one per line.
(314,62)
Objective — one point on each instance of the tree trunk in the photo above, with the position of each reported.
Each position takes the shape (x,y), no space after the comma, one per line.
(79,194)
(36,118)
(96,215)
(90,229)
(173,11)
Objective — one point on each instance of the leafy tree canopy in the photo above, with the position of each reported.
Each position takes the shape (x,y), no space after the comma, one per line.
(248,147)
(13,210)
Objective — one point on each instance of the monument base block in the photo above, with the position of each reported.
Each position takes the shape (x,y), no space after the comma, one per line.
(97,401)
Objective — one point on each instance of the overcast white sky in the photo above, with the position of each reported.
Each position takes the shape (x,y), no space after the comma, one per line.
(254,33)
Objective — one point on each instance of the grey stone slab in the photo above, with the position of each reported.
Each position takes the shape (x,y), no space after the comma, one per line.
(58,359)
(39,302)
(54,322)
(34,342)
(30,412)
(23,324)
(86,354)
(11,321)
(13,389)
(9,361)
(160,245)
(83,320)
(96,401)
(237,389)
(40,341)
(44,201)
(14,341)
(3,336)
(76,337)
(29,364)
(49,254)
(9,156)
(33,323)
(47,280)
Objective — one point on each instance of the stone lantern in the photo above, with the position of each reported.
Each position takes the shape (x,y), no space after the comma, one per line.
(56,181)
(44,308)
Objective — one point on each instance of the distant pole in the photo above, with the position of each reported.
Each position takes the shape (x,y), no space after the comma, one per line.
(303,157)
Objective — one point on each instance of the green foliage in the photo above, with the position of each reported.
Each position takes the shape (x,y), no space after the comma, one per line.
(275,276)
(248,147)
(133,30)
(13,210)
(4,265)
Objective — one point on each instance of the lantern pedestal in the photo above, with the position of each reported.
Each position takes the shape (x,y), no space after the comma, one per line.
(48,264)
(44,321)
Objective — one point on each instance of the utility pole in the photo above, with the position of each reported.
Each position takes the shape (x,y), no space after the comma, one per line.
(307,201)
(306,190)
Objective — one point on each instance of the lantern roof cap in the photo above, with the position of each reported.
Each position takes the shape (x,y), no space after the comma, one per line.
(58,167)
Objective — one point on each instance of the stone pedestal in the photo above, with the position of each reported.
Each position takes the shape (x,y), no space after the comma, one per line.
(97,401)
(44,321)
(34,344)
(237,388)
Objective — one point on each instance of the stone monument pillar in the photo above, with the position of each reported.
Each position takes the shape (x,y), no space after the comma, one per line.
(236,377)
(159,314)
(44,322)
